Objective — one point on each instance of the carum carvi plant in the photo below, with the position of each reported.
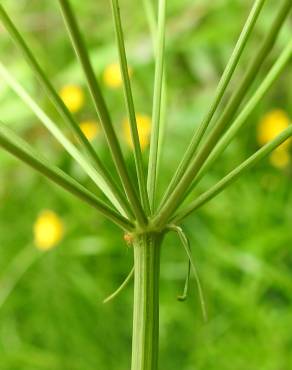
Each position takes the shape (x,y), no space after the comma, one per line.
(143,217)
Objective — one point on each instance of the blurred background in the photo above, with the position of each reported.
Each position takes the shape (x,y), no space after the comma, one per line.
(59,259)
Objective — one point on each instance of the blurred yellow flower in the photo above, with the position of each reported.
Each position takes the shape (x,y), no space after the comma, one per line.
(271,125)
(112,76)
(90,129)
(144,130)
(48,230)
(73,97)
(280,158)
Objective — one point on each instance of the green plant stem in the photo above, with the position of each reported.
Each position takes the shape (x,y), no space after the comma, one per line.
(233,175)
(113,194)
(242,118)
(146,302)
(20,149)
(183,297)
(61,107)
(101,108)
(130,106)
(157,99)
(120,288)
(177,196)
(152,24)
(223,83)
(186,245)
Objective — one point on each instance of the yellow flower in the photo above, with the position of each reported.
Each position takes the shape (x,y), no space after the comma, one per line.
(48,230)
(280,158)
(73,97)
(112,76)
(271,125)
(144,130)
(90,129)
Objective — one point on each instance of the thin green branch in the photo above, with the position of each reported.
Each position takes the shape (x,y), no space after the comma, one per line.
(233,176)
(61,107)
(20,149)
(157,97)
(101,108)
(223,83)
(184,296)
(121,287)
(177,196)
(130,106)
(186,245)
(242,118)
(151,20)
(162,127)
(112,194)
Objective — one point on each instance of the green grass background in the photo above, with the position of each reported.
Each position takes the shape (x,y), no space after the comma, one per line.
(54,318)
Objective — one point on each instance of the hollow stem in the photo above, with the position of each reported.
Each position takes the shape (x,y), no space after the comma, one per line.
(146,302)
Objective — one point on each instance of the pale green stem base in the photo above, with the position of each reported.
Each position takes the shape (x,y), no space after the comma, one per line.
(146,302)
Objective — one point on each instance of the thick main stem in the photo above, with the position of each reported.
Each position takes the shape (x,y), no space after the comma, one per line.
(146,302)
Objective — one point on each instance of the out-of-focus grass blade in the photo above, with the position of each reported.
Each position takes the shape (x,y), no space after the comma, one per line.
(15,271)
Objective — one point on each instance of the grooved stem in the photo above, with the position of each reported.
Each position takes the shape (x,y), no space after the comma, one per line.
(146,302)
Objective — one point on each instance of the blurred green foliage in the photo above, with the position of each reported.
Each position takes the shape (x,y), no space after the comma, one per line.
(54,319)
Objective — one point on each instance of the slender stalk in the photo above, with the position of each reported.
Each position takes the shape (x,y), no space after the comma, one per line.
(223,83)
(157,98)
(120,288)
(113,194)
(20,149)
(146,302)
(233,175)
(58,103)
(242,118)
(151,20)
(130,106)
(179,193)
(186,245)
(101,108)
(183,297)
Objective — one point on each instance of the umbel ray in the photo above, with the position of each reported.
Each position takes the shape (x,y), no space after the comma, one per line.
(143,217)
